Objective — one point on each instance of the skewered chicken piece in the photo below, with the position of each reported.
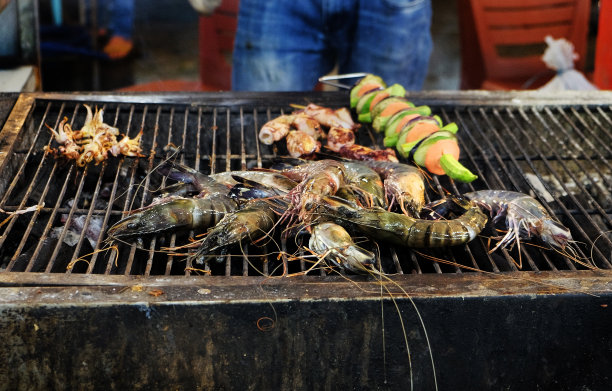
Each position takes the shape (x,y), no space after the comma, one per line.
(278,128)
(302,144)
(338,137)
(329,117)
(361,152)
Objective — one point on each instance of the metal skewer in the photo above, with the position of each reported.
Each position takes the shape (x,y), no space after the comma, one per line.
(331,79)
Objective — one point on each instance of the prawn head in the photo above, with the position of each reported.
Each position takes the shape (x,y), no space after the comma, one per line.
(335,242)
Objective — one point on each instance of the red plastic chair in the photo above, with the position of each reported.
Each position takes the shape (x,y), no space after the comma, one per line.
(216,38)
(503,47)
(602,72)
(216,44)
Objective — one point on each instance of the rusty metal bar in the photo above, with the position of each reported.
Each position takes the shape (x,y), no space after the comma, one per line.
(128,200)
(501,185)
(228,167)
(566,169)
(264,258)
(606,117)
(109,211)
(82,237)
(150,169)
(581,137)
(213,161)
(14,124)
(40,203)
(571,174)
(20,172)
(243,166)
(591,134)
(514,160)
(188,264)
(134,247)
(169,155)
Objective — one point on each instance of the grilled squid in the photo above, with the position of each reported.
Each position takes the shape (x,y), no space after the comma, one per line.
(128,146)
(93,141)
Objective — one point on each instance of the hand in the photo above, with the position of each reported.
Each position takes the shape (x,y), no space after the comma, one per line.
(3,4)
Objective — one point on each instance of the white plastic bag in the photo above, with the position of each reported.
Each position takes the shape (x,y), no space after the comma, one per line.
(560,56)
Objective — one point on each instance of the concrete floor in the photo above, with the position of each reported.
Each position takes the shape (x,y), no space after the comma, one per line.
(160,55)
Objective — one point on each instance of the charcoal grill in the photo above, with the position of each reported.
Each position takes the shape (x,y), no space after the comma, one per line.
(544,324)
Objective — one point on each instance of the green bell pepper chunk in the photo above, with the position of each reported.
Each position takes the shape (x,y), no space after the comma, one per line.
(451,127)
(391,141)
(456,170)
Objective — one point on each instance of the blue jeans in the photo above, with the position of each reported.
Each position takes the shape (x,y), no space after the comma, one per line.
(286,45)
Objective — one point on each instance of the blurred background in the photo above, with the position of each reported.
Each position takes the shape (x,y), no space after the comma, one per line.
(60,46)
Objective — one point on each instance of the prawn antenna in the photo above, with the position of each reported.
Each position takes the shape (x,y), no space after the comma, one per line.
(421,321)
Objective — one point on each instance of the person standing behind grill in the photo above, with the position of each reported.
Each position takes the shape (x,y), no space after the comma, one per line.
(286,45)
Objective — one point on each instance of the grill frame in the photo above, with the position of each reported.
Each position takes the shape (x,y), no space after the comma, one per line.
(519,330)
(443,100)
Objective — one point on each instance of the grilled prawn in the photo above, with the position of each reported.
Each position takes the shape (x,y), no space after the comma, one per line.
(252,222)
(365,183)
(266,178)
(525,216)
(174,213)
(316,179)
(404,230)
(194,182)
(403,184)
(334,242)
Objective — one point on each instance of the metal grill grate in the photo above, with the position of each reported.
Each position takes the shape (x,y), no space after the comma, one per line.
(559,152)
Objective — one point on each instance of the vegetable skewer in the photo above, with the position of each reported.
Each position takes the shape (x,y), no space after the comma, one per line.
(413,131)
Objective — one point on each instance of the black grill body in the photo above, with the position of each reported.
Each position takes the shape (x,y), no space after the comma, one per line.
(138,317)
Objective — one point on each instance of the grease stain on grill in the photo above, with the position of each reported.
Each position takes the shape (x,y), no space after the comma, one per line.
(559,154)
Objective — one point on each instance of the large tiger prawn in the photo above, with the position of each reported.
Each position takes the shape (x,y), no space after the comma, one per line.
(524,217)
(404,230)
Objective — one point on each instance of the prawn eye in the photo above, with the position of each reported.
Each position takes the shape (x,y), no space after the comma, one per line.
(309,206)
(132,226)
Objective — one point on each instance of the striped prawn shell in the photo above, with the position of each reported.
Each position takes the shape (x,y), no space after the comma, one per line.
(403,230)
(173,214)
